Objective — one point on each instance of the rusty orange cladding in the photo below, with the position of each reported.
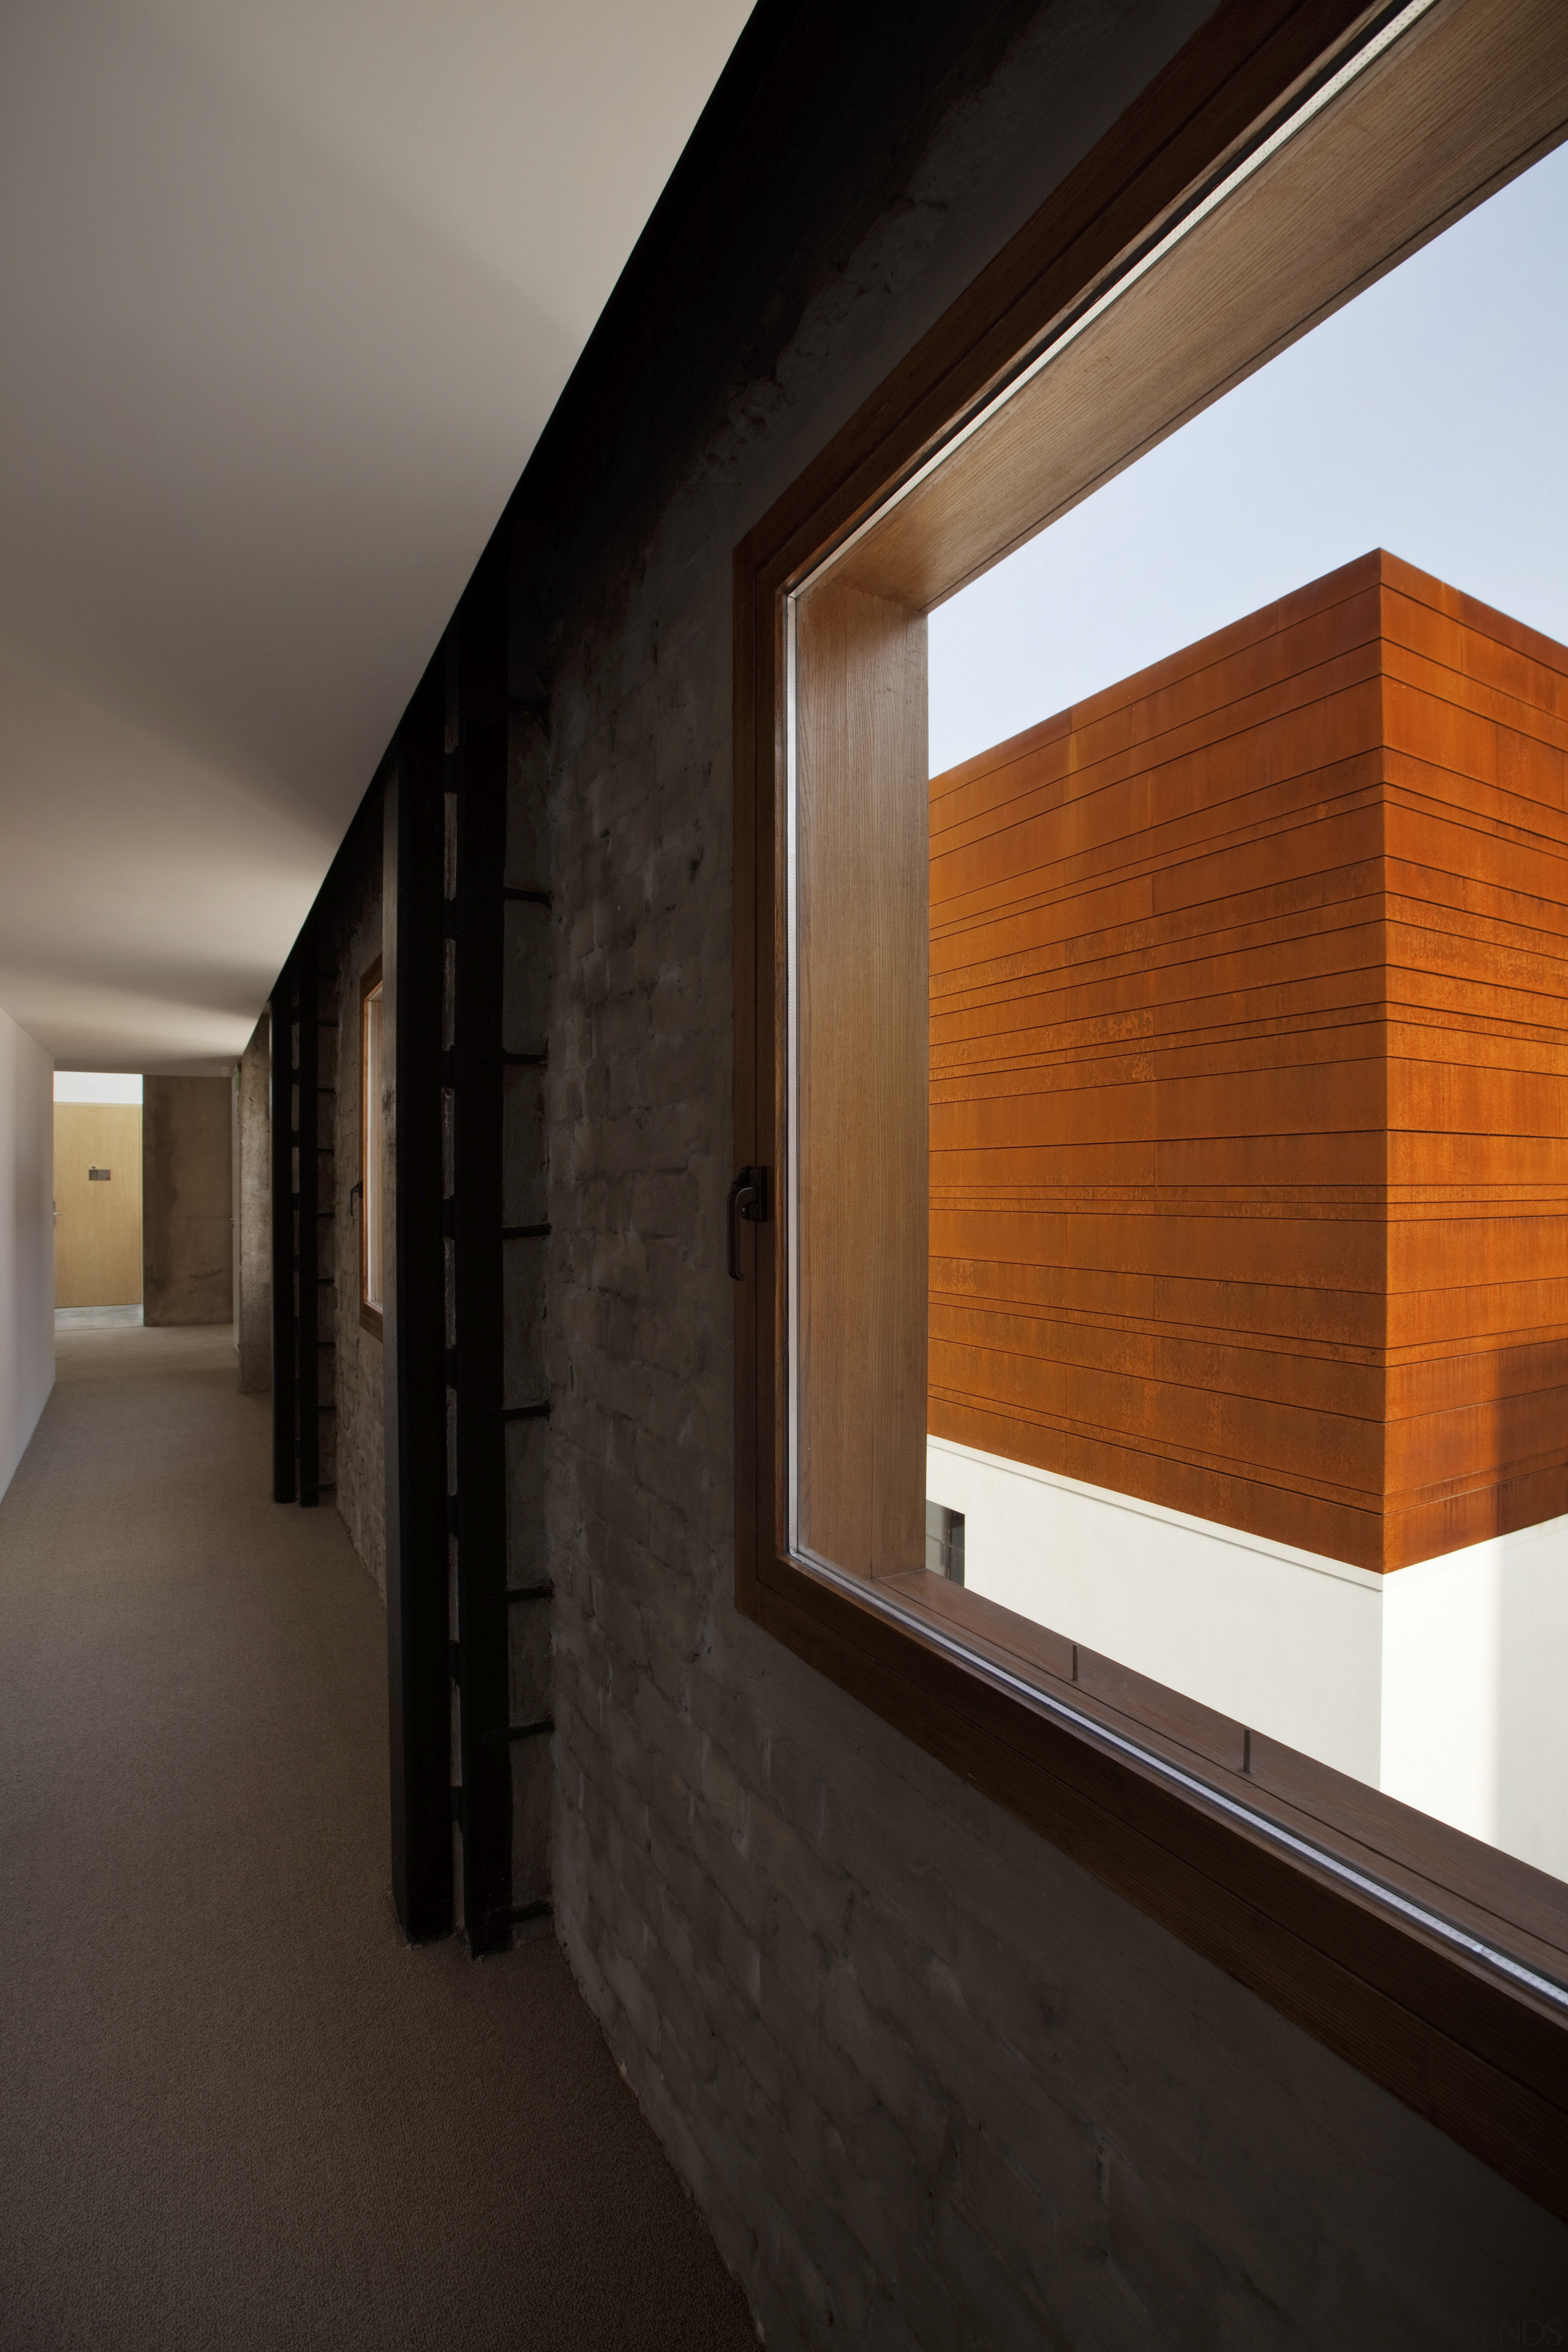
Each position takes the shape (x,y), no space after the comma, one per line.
(1249,1078)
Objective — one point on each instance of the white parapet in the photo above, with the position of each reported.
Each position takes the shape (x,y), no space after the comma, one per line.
(1475,1723)
(1442,1683)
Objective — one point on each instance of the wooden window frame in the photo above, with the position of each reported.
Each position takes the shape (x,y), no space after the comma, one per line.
(1404,1945)
(371,1317)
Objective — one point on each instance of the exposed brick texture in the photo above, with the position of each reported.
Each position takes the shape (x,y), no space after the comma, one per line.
(931,2084)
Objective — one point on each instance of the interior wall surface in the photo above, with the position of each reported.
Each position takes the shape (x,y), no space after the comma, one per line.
(27,1239)
(354,899)
(187,1203)
(253,1243)
(930,2083)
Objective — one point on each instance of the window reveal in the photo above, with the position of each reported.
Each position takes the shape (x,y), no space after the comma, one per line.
(836,1552)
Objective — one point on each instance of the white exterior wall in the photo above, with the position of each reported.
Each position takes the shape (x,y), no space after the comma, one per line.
(1441,1682)
(27,1239)
(1474,1722)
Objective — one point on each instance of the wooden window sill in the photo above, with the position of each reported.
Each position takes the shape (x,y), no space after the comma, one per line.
(1483,2058)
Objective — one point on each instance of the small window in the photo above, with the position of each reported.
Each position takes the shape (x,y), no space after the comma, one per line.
(371,1150)
(944,1542)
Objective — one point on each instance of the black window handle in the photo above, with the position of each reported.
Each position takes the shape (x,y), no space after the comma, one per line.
(748,1199)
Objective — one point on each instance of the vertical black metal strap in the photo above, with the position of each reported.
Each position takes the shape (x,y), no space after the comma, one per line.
(281,1138)
(414,1327)
(480,772)
(307,1051)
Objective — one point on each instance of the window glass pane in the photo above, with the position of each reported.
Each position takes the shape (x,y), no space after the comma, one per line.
(1178,1078)
(1249,1050)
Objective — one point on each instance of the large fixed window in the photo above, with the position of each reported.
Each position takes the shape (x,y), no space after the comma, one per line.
(372,1151)
(1248,1079)
(1162,1106)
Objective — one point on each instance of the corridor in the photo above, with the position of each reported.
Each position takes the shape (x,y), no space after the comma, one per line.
(237,2109)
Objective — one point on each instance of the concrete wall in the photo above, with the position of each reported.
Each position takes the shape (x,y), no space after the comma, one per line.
(360,1450)
(931,2085)
(187,1205)
(26,1240)
(253,1247)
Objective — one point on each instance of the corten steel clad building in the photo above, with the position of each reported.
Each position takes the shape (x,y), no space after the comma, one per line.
(1247,1117)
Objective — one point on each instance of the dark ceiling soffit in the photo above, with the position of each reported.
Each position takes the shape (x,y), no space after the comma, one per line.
(746,72)
(1274,50)
(774,135)
(685,202)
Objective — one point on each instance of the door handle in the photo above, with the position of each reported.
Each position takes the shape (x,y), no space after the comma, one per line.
(748,1199)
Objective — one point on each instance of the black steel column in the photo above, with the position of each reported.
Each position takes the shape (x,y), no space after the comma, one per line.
(281,1138)
(477,718)
(414,1325)
(307,1319)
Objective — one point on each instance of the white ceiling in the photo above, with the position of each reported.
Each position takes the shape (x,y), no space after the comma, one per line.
(288,289)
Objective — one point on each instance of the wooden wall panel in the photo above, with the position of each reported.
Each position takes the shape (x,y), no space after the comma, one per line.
(1249,1078)
(862,1272)
(98,1224)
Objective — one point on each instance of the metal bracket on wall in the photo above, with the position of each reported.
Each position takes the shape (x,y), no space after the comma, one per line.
(748,1199)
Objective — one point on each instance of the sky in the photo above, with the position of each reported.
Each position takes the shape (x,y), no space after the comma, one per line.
(96,1087)
(1429,416)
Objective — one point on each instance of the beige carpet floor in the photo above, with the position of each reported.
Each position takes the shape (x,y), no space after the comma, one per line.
(236,2109)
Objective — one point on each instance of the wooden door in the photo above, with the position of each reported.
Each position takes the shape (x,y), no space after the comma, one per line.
(98,1217)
